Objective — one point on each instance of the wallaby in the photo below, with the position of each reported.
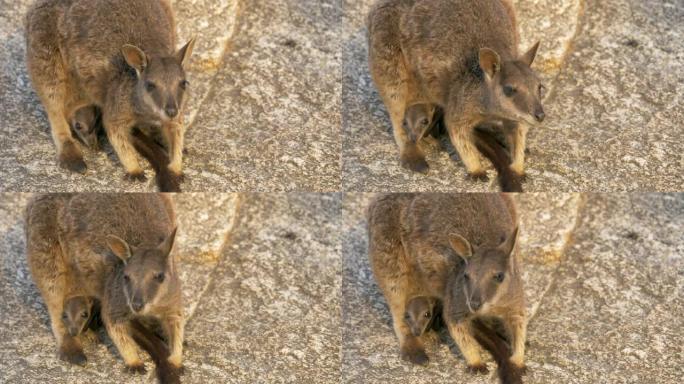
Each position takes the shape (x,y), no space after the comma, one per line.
(420,120)
(461,55)
(85,123)
(79,313)
(119,56)
(427,239)
(421,312)
(79,235)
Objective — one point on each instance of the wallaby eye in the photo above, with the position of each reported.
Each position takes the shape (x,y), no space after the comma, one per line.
(159,277)
(466,276)
(84,315)
(425,122)
(149,86)
(65,316)
(184,84)
(509,90)
(127,278)
(427,315)
(499,277)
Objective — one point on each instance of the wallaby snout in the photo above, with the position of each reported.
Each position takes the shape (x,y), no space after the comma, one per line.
(539,113)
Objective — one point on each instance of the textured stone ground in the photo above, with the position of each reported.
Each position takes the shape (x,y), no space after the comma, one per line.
(613,111)
(604,284)
(260,282)
(263,115)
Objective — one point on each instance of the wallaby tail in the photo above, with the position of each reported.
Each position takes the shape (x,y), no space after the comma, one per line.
(494,151)
(497,347)
(158,159)
(158,351)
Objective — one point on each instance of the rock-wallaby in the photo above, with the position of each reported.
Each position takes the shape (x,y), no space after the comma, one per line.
(119,56)
(461,55)
(420,120)
(86,124)
(421,312)
(461,249)
(79,313)
(87,237)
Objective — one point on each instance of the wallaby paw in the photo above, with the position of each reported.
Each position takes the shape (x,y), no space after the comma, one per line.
(415,161)
(480,368)
(415,356)
(73,355)
(520,368)
(137,176)
(522,176)
(138,369)
(477,176)
(71,158)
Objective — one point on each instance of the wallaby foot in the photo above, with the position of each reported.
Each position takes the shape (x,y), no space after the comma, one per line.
(477,369)
(477,176)
(521,176)
(136,176)
(71,158)
(137,368)
(415,354)
(413,159)
(71,352)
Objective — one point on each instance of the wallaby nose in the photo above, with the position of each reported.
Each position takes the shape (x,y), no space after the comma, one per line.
(137,305)
(73,331)
(171,111)
(539,115)
(475,304)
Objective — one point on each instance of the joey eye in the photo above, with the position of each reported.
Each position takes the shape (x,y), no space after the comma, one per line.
(127,278)
(466,277)
(184,84)
(424,122)
(159,277)
(84,315)
(149,86)
(65,316)
(509,90)
(499,277)
(427,315)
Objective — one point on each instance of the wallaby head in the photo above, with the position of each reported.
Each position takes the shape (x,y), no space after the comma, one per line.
(420,314)
(78,311)
(485,275)
(85,123)
(419,119)
(513,91)
(147,271)
(160,81)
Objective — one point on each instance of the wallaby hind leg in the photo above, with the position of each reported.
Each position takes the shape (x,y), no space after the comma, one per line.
(412,348)
(462,335)
(118,135)
(126,346)
(50,82)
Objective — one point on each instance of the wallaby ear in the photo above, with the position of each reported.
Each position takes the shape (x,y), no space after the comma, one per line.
(167,244)
(184,53)
(119,247)
(134,57)
(490,62)
(528,57)
(460,245)
(508,244)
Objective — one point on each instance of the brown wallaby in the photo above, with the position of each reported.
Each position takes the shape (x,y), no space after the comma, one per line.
(460,248)
(461,55)
(86,124)
(79,312)
(421,312)
(77,236)
(119,56)
(420,119)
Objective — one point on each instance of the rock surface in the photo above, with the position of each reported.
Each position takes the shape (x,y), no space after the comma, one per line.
(263,114)
(606,307)
(613,113)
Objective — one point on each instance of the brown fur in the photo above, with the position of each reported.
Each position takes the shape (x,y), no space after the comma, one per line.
(70,238)
(430,242)
(421,312)
(461,55)
(119,56)
(86,124)
(496,153)
(158,351)
(497,347)
(167,181)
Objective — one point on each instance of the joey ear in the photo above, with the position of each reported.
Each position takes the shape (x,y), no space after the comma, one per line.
(528,57)
(119,247)
(134,57)
(167,244)
(460,245)
(508,244)
(490,62)
(184,53)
